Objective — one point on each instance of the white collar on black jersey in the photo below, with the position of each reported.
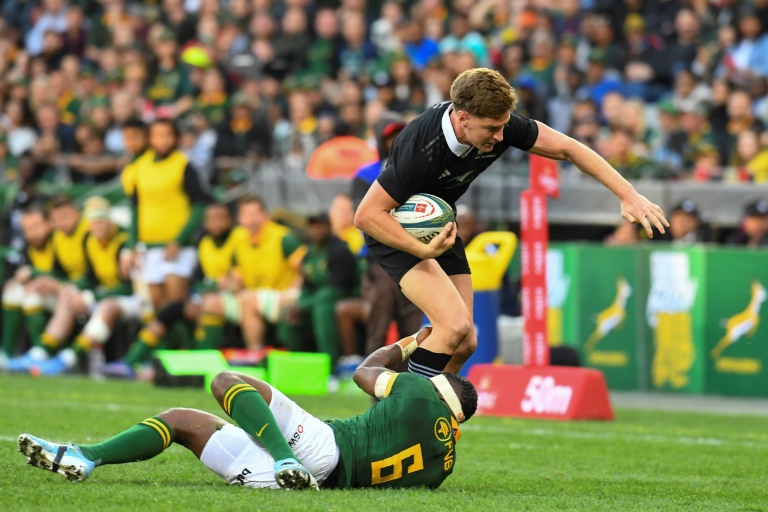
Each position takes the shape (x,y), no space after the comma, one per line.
(456,147)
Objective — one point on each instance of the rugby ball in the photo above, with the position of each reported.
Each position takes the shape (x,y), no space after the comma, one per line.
(423,216)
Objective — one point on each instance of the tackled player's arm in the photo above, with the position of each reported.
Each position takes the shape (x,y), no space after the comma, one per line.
(385,360)
(634,207)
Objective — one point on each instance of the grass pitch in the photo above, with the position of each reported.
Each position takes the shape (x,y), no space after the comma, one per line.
(645,460)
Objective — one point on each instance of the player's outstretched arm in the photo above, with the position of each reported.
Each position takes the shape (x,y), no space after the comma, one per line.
(385,360)
(634,207)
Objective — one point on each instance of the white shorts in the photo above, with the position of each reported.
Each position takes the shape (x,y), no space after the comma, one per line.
(239,459)
(130,305)
(155,269)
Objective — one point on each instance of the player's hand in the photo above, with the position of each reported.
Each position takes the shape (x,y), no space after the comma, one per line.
(172,251)
(441,243)
(637,208)
(24,274)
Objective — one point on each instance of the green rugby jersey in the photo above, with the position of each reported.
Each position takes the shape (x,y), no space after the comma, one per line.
(405,440)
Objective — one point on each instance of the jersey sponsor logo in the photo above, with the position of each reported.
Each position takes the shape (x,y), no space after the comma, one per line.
(241,477)
(443,430)
(544,396)
(485,155)
(445,174)
(294,440)
(449,455)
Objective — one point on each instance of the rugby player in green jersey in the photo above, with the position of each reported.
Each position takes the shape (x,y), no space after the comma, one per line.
(407,439)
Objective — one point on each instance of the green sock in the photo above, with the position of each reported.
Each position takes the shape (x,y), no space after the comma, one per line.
(140,442)
(49,343)
(12,318)
(252,413)
(82,345)
(209,332)
(141,349)
(36,320)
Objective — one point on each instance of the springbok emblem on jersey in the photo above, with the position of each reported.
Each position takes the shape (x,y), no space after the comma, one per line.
(744,323)
(612,317)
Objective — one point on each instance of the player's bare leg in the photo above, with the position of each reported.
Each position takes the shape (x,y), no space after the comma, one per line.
(176,289)
(69,305)
(246,400)
(350,313)
(251,322)
(463,283)
(432,291)
(188,427)
(157,295)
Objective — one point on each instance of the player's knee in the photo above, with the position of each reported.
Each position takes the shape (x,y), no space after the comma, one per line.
(459,327)
(467,347)
(222,382)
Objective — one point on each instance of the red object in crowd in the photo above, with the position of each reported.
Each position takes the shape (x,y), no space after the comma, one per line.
(340,157)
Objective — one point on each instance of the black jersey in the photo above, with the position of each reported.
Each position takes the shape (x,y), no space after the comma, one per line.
(426,158)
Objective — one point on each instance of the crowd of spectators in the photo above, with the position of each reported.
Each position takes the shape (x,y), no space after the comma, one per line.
(664,89)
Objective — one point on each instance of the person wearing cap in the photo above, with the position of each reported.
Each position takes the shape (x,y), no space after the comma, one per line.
(753,231)
(329,274)
(669,141)
(104,293)
(169,89)
(685,224)
(241,136)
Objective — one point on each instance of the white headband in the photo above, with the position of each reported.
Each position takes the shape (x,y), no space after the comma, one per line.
(445,389)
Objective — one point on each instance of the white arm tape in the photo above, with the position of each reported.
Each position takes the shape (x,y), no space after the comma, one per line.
(408,348)
(382,384)
(449,395)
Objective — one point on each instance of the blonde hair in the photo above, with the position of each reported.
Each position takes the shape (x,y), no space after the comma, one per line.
(483,92)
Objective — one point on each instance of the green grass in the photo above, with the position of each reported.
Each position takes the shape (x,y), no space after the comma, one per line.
(642,461)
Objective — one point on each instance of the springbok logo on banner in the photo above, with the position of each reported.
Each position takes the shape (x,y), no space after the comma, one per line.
(608,320)
(739,325)
(668,312)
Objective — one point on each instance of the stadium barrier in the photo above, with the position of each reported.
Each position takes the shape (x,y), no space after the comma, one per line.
(663,317)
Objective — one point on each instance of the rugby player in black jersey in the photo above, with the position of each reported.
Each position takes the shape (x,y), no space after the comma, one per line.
(440,153)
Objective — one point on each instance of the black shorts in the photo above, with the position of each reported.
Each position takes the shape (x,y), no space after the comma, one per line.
(397,263)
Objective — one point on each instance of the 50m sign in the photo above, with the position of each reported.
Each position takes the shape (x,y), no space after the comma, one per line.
(544,396)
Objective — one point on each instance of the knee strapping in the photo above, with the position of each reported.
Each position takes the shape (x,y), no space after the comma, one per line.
(32,302)
(97,329)
(13,295)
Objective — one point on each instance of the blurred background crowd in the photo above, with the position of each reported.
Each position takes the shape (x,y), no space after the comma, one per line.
(664,89)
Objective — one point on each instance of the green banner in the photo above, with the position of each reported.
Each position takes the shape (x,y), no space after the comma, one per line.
(610,314)
(736,347)
(674,318)
(662,317)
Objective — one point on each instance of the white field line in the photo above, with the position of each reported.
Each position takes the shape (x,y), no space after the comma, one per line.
(613,436)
